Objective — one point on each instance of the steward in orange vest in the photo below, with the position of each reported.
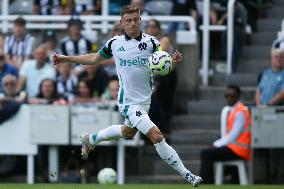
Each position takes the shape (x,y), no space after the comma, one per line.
(235,142)
(241,146)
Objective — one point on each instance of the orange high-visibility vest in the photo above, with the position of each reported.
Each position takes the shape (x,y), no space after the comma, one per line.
(241,146)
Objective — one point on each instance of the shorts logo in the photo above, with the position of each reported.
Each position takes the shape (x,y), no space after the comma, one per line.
(142,46)
(138,113)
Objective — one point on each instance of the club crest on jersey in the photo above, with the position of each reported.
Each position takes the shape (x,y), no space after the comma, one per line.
(142,46)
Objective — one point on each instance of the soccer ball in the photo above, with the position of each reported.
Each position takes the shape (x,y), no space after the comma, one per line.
(107,176)
(160,63)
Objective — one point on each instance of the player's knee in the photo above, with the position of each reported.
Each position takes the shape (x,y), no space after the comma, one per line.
(155,135)
(128,132)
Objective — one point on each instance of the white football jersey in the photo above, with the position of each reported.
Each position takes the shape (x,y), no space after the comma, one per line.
(131,60)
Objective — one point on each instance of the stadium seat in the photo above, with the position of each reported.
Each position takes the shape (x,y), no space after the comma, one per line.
(240,164)
(21,7)
(159,7)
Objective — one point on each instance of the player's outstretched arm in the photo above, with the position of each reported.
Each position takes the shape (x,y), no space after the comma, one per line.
(177,57)
(86,59)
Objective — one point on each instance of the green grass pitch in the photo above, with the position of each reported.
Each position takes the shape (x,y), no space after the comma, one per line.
(133,186)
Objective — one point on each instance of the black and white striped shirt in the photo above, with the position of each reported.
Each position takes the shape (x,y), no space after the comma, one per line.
(22,48)
(70,47)
(67,88)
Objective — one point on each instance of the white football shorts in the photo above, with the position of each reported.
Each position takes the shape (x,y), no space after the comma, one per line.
(136,116)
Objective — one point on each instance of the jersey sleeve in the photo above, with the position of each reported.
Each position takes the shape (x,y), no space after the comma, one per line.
(106,51)
(156,44)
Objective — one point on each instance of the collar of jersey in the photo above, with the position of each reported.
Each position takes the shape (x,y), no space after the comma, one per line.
(127,37)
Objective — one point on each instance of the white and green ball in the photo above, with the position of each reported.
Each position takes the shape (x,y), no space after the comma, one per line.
(107,176)
(160,63)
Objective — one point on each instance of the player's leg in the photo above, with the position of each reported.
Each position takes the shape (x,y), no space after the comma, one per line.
(170,156)
(139,118)
(110,133)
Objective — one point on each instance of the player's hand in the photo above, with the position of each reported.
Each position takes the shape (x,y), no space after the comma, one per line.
(177,57)
(58,58)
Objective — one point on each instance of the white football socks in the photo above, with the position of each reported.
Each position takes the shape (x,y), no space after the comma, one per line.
(169,155)
(110,133)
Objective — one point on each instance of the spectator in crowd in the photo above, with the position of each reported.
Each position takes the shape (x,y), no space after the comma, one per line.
(19,46)
(117,30)
(199,10)
(46,7)
(112,89)
(66,7)
(141,5)
(84,93)
(98,7)
(79,7)
(75,43)
(9,84)
(240,22)
(34,71)
(182,8)
(255,10)
(153,27)
(66,82)
(49,40)
(144,12)
(9,105)
(48,94)
(84,7)
(98,78)
(162,104)
(6,69)
(270,90)
(235,144)
(10,101)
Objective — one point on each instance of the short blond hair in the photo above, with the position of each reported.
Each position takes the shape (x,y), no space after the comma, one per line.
(129,9)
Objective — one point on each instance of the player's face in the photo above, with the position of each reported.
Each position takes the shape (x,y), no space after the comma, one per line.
(131,24)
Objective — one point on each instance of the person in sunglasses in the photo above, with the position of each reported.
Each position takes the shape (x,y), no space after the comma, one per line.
(235,144)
